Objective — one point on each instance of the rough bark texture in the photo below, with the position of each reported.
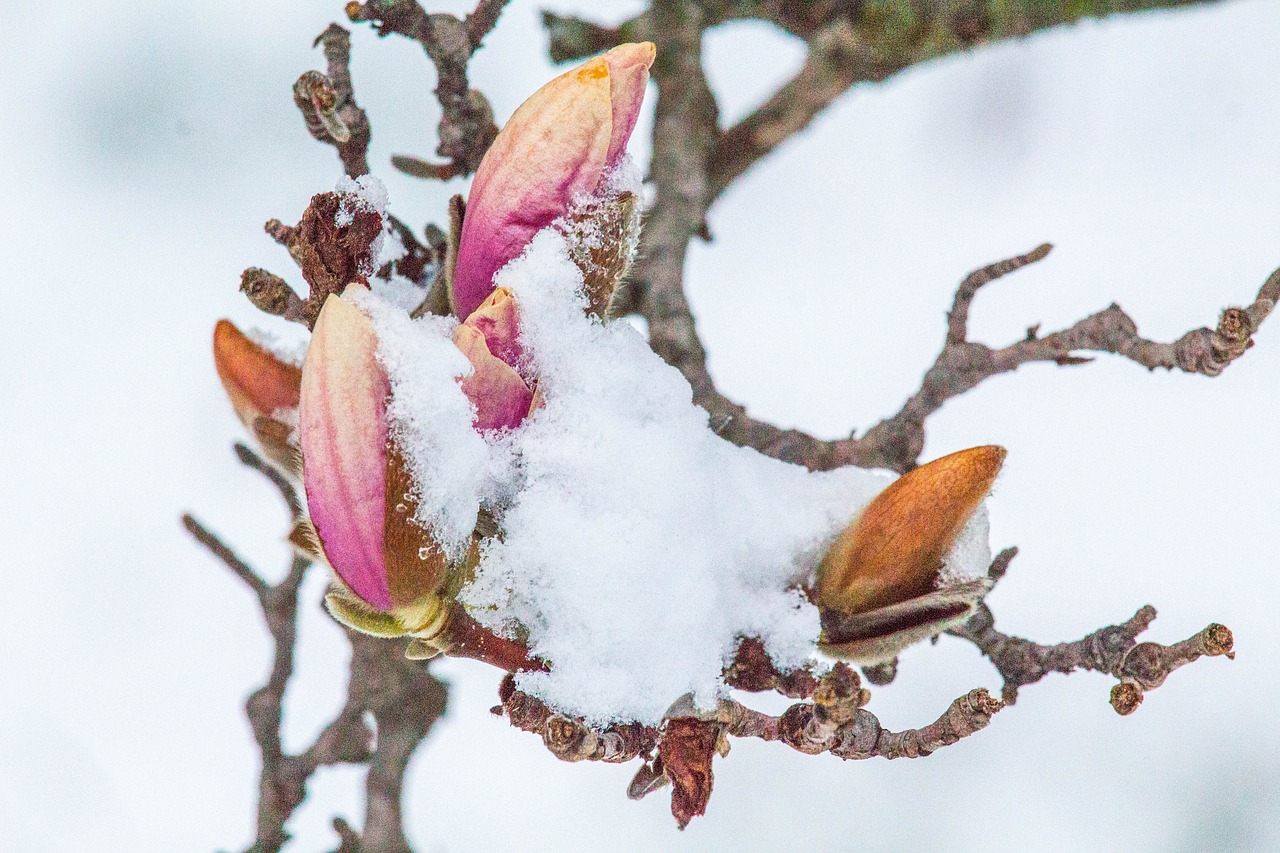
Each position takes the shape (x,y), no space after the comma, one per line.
(695,160)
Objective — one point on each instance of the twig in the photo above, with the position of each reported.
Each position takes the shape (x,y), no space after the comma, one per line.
(1113,650)
(896,442)
(836,722)
(694,161)
(403,697)
(466,127)
(328,103)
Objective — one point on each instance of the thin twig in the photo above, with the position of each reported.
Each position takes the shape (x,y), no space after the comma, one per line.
(694,161)
(402,695)
(466,126)
(1113,650)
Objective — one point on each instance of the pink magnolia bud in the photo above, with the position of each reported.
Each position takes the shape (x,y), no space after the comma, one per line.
(490,341)
(357,486)
(559,144)
(359,493)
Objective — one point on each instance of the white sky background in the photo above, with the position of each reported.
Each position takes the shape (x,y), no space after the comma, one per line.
(145,144)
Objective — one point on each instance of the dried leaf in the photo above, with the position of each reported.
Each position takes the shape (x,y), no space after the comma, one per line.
(686,749)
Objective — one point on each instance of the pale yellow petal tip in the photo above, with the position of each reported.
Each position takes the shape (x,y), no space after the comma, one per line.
(354,614)
(634,53)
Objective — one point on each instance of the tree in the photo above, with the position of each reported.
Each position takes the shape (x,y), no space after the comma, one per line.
(694,162)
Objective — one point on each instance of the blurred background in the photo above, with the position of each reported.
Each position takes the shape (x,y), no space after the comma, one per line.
(144,145)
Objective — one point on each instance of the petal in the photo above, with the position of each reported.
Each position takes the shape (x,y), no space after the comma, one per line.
(256,381)
(557,145)
(498,321)
(342,426)
(628,78)
(501,397)
(893,551)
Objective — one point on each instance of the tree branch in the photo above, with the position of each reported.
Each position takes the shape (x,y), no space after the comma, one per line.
(466,127)
(1113,650)
(403,697)
(328,103)
(897,442)
(694,161)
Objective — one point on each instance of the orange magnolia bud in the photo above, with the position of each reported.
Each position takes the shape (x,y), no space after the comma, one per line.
(878,585)
(263,390)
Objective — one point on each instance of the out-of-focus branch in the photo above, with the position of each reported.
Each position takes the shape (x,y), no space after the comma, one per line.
(403,697)
(466,127)
(897,441)
(331,255)
(849,42)
(328,103)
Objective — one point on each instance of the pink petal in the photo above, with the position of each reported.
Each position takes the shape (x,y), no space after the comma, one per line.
(556,146)
(343,431)
(498,321)
(628,78)
(501,397)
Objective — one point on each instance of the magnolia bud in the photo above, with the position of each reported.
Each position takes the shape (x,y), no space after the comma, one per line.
(879,585)
(263,389)
(558,146)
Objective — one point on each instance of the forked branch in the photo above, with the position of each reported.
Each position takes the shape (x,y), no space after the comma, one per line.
(401,695)
(1113,650)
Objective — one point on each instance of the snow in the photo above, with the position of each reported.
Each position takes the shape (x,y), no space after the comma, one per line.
(640,545)
(1143,147)
(453,468)
(366,192)
(970,555)
(636,547)
(398,290)
(288,344)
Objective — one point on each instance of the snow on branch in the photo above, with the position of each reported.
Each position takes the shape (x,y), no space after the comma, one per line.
(492,446)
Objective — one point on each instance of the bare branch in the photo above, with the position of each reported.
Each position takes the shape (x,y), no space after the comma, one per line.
(694,161)
(896,442)
(864,42)
(1113,650)
(328,103)
(250,459)
(223,552)
(466,127)
(837,722)
(402,695)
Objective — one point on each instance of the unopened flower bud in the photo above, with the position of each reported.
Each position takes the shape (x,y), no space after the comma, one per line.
(879,585)
(263,389)
(559,146)
(357,485)
(267,291)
